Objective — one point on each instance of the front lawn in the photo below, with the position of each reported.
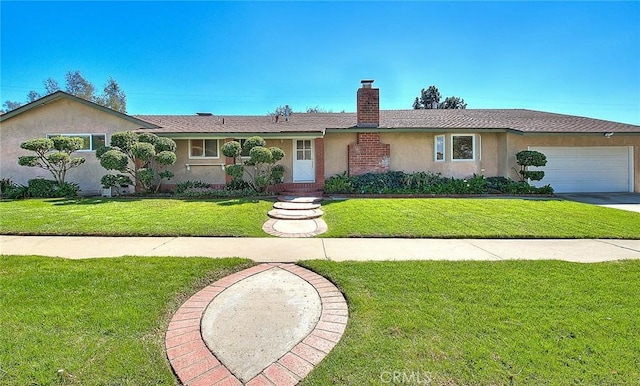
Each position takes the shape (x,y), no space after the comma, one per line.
(135,217)
(422,218)
(477,218)
(101,321)
(485,323)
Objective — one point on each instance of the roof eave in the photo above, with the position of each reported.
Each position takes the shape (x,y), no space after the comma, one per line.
(61,94)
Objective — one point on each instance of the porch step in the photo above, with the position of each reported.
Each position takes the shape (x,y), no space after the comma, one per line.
(302,193)
(300,199)
(289,214)
(295,205)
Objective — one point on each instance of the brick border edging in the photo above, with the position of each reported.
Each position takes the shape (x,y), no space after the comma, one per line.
(195,365)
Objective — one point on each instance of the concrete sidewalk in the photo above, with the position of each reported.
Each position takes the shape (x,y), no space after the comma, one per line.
(292,250)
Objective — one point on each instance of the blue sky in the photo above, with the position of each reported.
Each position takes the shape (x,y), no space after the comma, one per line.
(580,58)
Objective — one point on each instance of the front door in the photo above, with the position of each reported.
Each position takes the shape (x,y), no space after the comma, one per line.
(303,166)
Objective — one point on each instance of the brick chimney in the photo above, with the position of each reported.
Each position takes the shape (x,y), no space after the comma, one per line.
(368,154)
(368,105)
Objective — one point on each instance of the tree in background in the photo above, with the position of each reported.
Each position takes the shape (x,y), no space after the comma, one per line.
(430,99)
(112,96)
(453,102)
(78,86)
(143,156)
(53,154)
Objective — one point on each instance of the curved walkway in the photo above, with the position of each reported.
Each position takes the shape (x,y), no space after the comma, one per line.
(196,332)
(296,217)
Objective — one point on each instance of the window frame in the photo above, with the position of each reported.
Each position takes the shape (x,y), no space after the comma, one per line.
(204,149)
(444,148)
(473,148)
(92,148)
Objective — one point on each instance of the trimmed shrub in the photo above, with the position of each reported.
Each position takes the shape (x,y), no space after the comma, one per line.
(42,188)
(396,182)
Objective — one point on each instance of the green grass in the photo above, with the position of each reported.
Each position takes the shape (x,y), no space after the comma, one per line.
(421,218)
(102,320)
(135,217)
(454,323)
(477,218)
(485,323)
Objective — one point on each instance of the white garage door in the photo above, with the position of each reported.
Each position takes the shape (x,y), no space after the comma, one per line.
(587,169)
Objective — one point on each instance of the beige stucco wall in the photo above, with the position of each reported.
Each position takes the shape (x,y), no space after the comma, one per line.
(516,143)
(62,116)
(210,170)
(413,152)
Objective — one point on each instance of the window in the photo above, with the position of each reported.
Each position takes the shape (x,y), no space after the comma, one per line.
(439,148)
(203,148)
(92,142)
(462,147)
(303,150)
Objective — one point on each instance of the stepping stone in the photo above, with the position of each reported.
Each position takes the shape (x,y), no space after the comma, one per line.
(308,200)
(288,214)
(295,205)
(259,319)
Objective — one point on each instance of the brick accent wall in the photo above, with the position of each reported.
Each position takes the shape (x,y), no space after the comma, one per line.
(368,107)
(368,155)
(319,147)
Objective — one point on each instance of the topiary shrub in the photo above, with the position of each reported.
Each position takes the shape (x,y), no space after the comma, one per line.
(53,154)
(143,156)
(527,158)
(260,169)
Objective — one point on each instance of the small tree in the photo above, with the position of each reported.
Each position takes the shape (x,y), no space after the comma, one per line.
(528,158)
(261,166)
(53,154)
(143,156)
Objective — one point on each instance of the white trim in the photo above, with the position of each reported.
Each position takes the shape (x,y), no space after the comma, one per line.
(444,148)
(204,149)
(473,147)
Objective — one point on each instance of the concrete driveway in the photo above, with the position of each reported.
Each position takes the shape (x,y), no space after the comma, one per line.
(624,201)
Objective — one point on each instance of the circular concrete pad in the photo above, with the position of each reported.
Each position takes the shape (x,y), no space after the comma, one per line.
(256,321)
(295,226)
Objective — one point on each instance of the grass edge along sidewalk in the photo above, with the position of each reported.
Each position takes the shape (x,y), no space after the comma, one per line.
(407,218)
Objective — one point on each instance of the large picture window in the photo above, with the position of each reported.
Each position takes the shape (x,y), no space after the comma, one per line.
(92,142)
(463,147)
(203,148)
(439,148)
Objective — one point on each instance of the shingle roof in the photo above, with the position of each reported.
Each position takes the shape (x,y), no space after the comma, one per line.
(298,123)
(525,121)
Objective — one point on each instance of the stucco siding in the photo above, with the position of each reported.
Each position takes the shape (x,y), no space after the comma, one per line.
(413,152)
(336,157)
(517,143)
(58,117)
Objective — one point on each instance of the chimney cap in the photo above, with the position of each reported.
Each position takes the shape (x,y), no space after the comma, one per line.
(366,83)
